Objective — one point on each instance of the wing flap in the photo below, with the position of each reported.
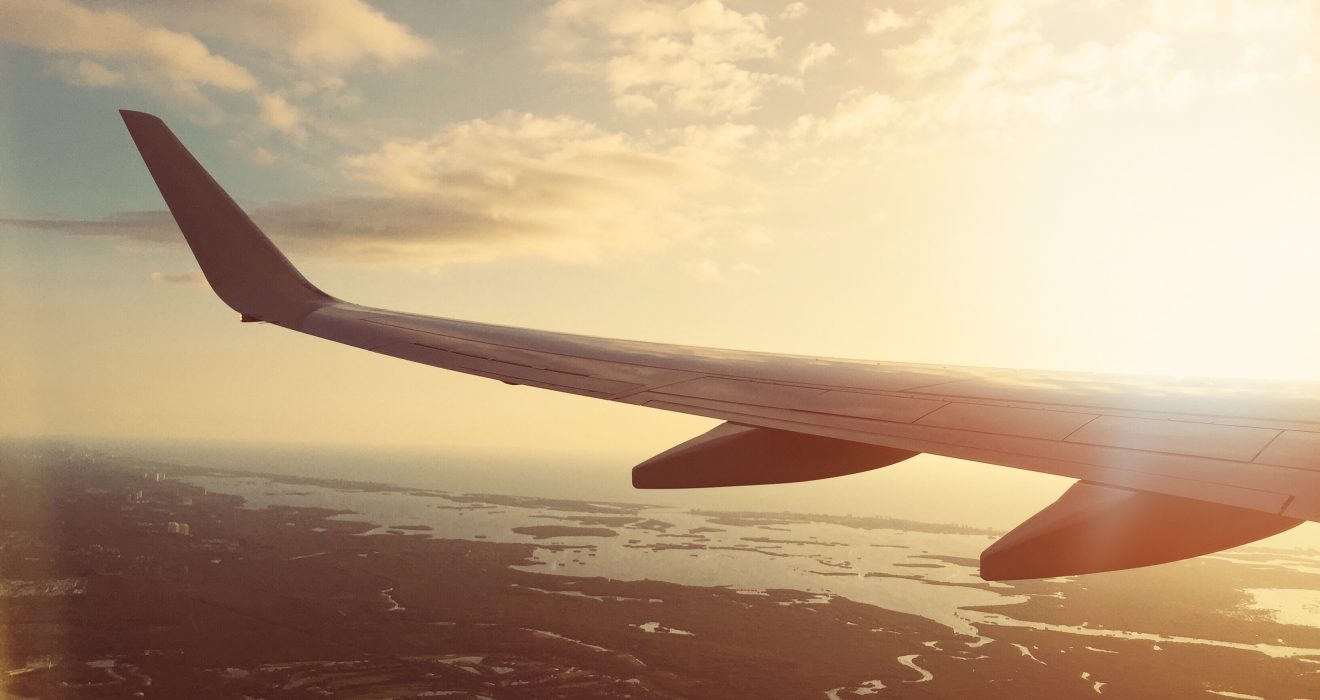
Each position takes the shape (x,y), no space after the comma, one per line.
(1094,528)
(1008,420)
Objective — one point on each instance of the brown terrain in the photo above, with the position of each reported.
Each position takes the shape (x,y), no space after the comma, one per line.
(99,599)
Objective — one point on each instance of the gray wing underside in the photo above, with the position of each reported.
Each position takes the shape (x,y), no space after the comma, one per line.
(1167,468)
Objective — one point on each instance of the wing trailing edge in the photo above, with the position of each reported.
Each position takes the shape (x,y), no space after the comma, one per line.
(1094,528)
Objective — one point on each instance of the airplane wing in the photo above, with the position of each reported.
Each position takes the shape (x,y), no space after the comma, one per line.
(1167,469)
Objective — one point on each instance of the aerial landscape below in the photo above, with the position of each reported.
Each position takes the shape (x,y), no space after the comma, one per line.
(124,577)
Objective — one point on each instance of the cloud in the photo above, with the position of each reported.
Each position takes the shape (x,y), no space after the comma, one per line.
(148,226)
(814,55)
(88,73)
(192,278)
(559,186)
(1237,16)
(689,57)
(972,66)
(948,71)
(714,145)
(516,186)
(856,114)
(156,57)
(177,48)
(793,10)
(564,188)
(707,270)
(704,269)
(328,36)
(261,156)
(883,19)
(745,268)
(281,116)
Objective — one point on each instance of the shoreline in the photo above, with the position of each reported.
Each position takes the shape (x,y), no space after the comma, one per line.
(291,600)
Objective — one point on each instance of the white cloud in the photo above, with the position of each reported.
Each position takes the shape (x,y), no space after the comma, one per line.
(689,57)
(793,10)
(814,55)
(261,156)
(516,186)
(1251,16)
(976,65)
(1085,60)
(695,72)
(160,58)
(969,68)
(1184,14)
(634,104)
(714,145)
(707,270)
(857,114)
(745,268)
(278,114)
(1244,82)
(192,278)
(328,35)
(884,19)
(1237,16)
(160,47)
(88,73)
(1178,88)
(559,185)
(704,269)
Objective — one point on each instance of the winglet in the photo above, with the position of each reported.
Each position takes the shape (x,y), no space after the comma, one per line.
(244,268)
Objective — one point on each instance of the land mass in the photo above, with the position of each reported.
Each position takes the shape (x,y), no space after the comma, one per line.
(105,593)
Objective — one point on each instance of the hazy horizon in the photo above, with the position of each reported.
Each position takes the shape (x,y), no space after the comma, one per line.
(925,489)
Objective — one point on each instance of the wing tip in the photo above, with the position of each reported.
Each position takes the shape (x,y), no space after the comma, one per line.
(134,118)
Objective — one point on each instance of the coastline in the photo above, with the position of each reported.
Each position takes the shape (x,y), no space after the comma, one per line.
(270,594)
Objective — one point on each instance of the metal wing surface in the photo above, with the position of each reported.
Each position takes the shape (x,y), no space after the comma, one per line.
(1248,451)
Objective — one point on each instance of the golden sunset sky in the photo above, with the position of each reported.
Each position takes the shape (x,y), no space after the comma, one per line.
(1103,185)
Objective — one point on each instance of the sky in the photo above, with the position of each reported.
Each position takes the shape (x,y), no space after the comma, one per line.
(1103,185)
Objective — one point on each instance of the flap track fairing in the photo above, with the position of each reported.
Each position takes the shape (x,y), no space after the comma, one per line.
(740,455)
(1094,528)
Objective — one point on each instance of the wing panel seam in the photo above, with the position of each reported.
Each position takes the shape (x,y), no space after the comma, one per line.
(1266,446)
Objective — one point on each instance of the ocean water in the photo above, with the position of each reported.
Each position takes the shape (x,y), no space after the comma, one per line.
(928,574)
(929,489)
(925,488)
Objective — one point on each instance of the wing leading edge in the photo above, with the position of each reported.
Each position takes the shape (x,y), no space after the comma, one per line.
(1249,451)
